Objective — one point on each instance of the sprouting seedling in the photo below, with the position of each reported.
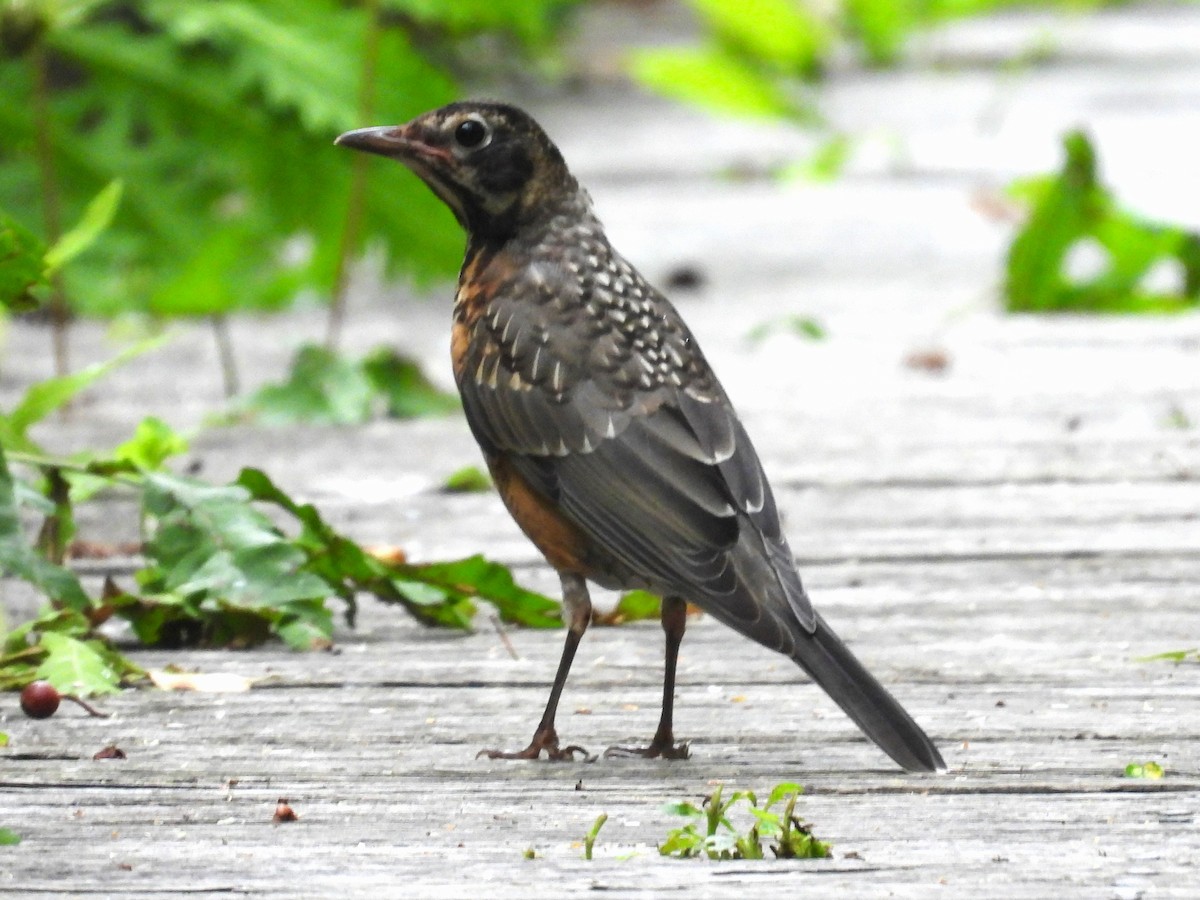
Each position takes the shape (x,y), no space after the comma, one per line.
(589,839)
(787,836)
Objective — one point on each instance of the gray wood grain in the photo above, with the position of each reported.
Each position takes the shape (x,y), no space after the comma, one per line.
(1002,542)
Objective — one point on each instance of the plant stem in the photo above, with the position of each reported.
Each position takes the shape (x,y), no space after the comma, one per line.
(356,205)
(229,371)
(51,214)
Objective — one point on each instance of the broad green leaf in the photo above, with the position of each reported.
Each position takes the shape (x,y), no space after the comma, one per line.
(782,790)
(781,32)
(404,386)
(712,78)
(9,838)
(468,479)
(1073,208)
(22,265)
(882,25)
(96,218)
(634,606)
(322,388)
(490,581)
(152,444)
(75,667)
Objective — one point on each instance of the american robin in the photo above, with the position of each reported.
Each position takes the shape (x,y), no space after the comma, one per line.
(609,437)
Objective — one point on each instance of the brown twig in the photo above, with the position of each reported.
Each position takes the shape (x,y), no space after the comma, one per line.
(230,381)
(356,205)
(508,644)
(51,213)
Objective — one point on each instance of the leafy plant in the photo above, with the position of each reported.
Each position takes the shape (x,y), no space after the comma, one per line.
(217,570)
(712,834)
(326,388)
(1073,209)
(218,118)
(757,57)
(8,837)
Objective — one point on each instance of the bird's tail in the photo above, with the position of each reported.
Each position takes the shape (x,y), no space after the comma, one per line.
(832,666)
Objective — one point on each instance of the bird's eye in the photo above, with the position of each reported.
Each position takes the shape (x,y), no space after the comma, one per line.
(471,133)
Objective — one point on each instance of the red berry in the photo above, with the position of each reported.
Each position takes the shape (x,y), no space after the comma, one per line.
(39,700)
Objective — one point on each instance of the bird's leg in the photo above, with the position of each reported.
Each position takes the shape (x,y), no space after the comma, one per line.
(577,607)
(674,621)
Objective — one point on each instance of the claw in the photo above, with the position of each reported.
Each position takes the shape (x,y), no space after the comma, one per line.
(542,740)
(654,751)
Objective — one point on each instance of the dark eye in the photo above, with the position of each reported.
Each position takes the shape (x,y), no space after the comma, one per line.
(470,133)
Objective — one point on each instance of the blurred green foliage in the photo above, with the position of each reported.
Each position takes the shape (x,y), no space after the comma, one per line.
(1071,210)
(757,56)
(218,118)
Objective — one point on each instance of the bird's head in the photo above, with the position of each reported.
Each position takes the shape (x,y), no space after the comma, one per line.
(489,162)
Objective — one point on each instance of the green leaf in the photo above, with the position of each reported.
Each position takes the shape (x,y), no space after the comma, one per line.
(75,667)
(800,326)
(682,809)
(589,840)
(467,480)
(493,582)
(1144,770)
(9,838)
(96,218)
(22,265)
(152,444)
(404,386)
(780,32)
(17,558)
(634,606)
(1073,208)
(322,388)
(712,78)
(782,790)
(50,395)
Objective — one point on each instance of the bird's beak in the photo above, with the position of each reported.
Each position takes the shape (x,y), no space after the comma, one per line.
(394,141)
(385,140)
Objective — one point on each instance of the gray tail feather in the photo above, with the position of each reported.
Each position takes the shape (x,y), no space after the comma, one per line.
(832,666)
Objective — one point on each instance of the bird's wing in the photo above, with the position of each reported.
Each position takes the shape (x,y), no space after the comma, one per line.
(661,475)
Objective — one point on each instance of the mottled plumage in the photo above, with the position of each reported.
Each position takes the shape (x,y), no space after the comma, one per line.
(610,438)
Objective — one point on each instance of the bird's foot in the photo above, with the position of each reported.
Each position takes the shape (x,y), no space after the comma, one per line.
(543,739)
(666,749)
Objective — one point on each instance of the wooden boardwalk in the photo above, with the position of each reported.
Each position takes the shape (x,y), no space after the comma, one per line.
(1001,541)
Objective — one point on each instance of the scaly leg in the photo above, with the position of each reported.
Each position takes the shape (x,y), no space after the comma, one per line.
(577,605)
(674,621)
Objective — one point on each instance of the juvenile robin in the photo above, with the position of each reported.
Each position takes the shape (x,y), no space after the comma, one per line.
(608,436)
